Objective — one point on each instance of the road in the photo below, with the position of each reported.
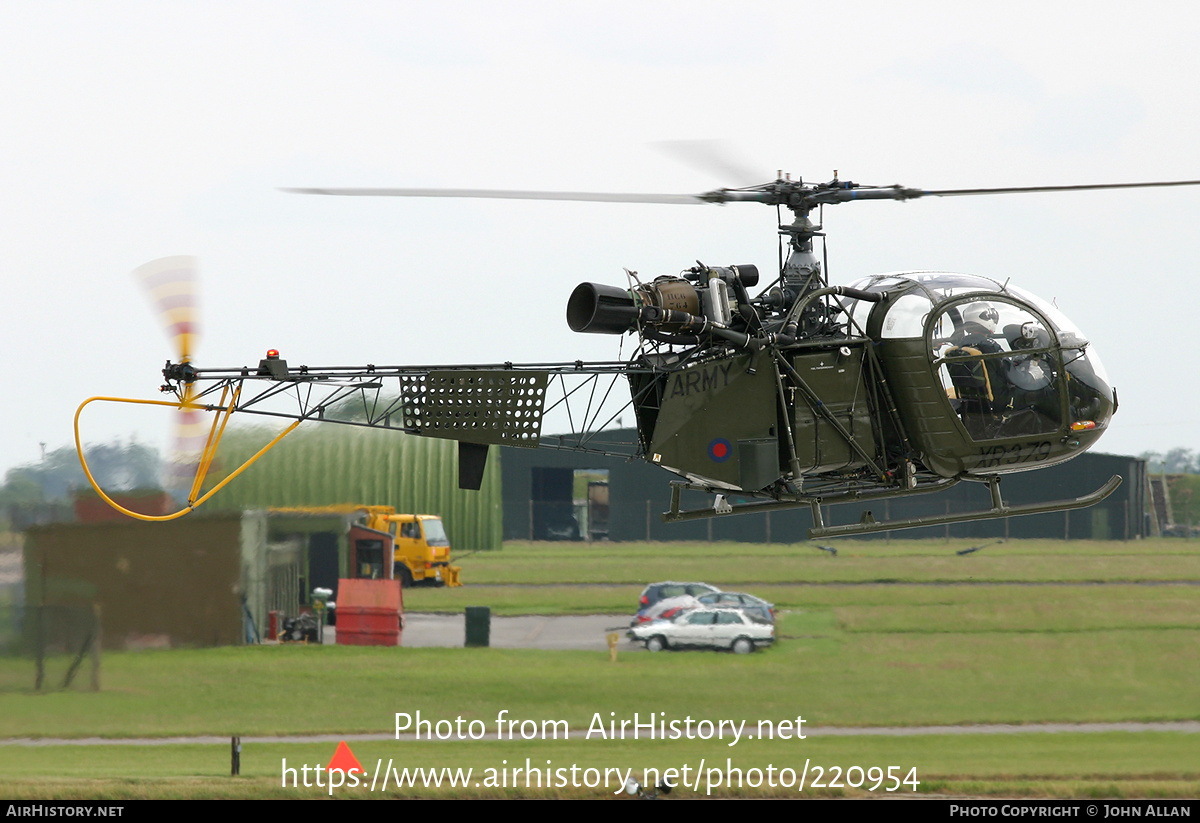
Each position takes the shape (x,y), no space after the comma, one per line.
(585,632)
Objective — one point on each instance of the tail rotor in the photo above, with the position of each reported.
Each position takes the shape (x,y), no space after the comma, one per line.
(172,287)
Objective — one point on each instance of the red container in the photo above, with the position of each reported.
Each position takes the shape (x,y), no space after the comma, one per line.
(368,612)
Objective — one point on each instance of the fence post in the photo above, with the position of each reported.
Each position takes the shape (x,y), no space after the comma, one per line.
(39,640)
(97,638)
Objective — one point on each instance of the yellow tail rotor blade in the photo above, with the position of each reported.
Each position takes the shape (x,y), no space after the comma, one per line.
(172,286)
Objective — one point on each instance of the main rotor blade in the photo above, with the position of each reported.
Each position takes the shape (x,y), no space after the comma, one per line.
(1085,187)
(793,194)
(506,194)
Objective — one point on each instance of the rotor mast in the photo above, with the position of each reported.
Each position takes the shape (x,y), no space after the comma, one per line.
(802,272)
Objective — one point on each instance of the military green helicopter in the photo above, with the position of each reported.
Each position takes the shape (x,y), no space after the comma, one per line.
(795,394)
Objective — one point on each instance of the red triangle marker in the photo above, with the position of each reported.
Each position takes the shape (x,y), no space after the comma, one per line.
(345,760)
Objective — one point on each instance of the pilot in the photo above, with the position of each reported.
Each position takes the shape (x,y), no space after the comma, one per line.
(978,327)
(978,383)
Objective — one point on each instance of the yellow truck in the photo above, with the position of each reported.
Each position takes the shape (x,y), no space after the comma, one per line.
(358,539)
(421,550)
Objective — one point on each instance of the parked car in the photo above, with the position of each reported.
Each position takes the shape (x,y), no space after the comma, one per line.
(655,592)
(755,607)
(705,628)
(667,609)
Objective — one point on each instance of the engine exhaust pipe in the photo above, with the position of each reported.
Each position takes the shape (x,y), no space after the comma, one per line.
(601,309)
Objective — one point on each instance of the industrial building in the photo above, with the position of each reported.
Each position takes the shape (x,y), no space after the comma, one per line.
(203,580)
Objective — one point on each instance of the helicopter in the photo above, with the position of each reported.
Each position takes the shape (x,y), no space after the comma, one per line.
(797,393)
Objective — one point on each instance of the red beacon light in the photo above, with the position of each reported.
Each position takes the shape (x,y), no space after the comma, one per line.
(273,366)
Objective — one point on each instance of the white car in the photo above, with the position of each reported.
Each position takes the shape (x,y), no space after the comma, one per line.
(705,629)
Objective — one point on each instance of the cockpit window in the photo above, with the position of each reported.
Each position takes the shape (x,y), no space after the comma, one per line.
(907,316)
(999,365)
(1089,395)
(1082,362)
(939,283)
(948,284)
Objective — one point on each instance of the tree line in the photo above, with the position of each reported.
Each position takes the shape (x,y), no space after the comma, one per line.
(1176,461)
(57,476)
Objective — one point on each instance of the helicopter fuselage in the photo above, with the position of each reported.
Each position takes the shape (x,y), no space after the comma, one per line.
(898,380)
(806,394)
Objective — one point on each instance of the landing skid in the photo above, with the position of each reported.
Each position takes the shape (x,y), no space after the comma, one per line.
(868,524)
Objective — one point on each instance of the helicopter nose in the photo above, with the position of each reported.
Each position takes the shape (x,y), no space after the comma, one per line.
(1092,400)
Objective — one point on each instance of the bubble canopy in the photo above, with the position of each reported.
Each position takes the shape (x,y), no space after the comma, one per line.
(1002,364)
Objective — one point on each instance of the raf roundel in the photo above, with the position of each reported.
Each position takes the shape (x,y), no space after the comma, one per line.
(720,450)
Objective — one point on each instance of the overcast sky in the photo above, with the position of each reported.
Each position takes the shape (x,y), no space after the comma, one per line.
(135,130)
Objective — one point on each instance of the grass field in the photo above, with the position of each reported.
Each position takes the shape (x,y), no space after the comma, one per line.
(876,561)
(900,634)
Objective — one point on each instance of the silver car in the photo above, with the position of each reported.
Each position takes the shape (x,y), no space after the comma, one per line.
(757,608)
(705,629)
(656,592)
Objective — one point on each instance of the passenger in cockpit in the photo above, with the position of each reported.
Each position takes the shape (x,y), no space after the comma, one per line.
(1032,404)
